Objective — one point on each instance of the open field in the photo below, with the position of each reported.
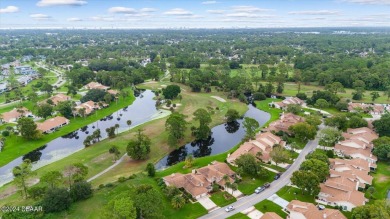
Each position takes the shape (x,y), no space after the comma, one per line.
(381,180)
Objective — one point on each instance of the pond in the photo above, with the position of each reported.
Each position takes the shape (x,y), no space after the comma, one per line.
(142,110)
(223,138)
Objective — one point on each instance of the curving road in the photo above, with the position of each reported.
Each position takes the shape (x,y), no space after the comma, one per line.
(250,200)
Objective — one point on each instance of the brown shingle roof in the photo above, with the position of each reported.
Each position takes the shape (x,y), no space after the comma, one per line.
(285,121)
(14,114)
(59,98)
(96,85)
(270,215)
(52,123)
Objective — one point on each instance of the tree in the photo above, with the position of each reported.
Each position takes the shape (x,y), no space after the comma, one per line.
(358,94)
(139,148)
(178,201)
(319,155)
(48,88)
(115,152)
(374,95)
(95,95)
(382,126)
(171,91)
(176,127)
(357,122)
(65,108)
(22,173)
(75,173)
(301,96)
(80,191)
(306,181)
(28,128)
(247,164)
(319,168)
(111,132)
(107,98)
(303,131)
(279,155)
(117,128)
(232,115)
(259,96)
(150,169)
(335,87)
(128,122)
(147,208)
(189,161)
(56,200)
(204,118)
(72,90)
(120,207)
(371,190)
(52,178)
(82,112)
(382,151)
(329,136)
(313,120)
(342,106)
(294,108)
(338,121)
(376,210)
(321,103)
(250,126)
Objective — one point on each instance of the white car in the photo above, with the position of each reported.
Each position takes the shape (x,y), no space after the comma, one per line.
(229,209)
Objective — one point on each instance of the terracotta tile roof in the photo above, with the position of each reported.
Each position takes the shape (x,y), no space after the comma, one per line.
(285,121)
(14,114)
(263,143)
(356,152)
(51,124)
(334,193)
(59,98)
(96,85)
(371,108)
(89,107)
(356,163)
(199,181)
(270,215)
(113,92)
(358,175)
(298,209)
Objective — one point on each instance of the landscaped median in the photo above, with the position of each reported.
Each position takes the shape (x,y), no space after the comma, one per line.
(16,146)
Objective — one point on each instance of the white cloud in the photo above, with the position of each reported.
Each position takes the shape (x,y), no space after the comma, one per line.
(249,9)
(216,11)
(74,19)
(148,10)
(40,16)
(45,3)
(9,9)
(248,15)
(122,10)
(178,12)
(369,2)
(209,2)
(319,12)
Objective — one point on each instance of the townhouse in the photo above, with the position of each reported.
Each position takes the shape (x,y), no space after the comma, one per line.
(284,103)
(303,210)
(52,124)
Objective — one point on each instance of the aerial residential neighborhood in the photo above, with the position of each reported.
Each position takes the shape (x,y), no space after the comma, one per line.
(195,109)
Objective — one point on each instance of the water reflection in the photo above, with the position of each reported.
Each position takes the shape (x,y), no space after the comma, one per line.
(232,127)
(34,155)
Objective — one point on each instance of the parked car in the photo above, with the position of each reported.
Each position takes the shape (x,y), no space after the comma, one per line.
(267,185)
(321,207)
(277,176)
(229,209)
(259,189)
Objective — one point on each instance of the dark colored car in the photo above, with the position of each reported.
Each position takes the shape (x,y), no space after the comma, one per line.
(267,185)
(277,176)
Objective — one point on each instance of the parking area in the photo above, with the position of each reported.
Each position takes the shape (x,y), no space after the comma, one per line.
(278,200)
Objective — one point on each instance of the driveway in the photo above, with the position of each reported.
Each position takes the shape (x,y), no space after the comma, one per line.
(278,200)
(236,193)
(207,203)
(276,185)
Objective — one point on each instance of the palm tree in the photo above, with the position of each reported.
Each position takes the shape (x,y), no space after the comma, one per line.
(114,150)
(178,201)
(129,122)
(81,111)
(226,180)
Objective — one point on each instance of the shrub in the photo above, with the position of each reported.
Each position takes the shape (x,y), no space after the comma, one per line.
(56,200)
(80,191)
(109,185)
(122,179)
(5,133)
(259,96)
(37,192)
(301,96)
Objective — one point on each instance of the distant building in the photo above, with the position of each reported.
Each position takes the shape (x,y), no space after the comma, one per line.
(263,144)
(270,215)
(52,124)
(24,70)
(59,98)
(15,114)
(284,123)
(373,109)
(113,92)
(89,107)
(96,85)
(24,80)
(3,87)
(288,101)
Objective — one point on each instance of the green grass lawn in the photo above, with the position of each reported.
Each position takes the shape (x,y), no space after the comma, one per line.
(248,184)
(238,216)
(269,206)
(16,146)
(291,193)
(263,105)
(381,180)
(222,199)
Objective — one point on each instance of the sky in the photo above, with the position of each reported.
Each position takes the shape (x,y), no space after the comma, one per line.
(193,13)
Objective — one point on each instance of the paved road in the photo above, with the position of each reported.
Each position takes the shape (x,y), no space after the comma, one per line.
(253,199)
